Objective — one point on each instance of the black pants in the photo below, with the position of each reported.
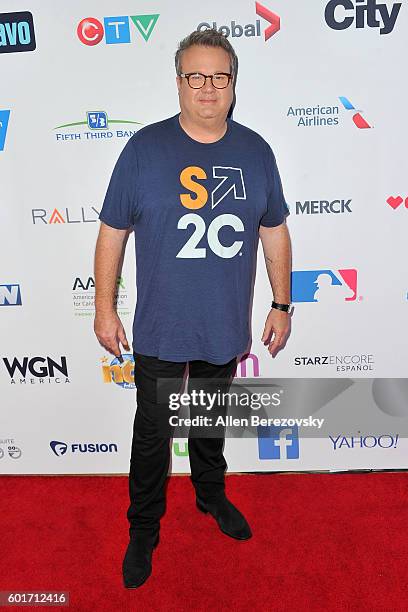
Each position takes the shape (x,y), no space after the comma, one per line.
(150,456)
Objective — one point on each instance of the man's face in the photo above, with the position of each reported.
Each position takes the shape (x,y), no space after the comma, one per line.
(207,102)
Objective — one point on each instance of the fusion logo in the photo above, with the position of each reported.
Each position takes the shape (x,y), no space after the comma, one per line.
(81,215)
(341,14)
(318,207)
(116,30)
(342,363)
(10,295)
(61,448)
(121,373)
(9,448)
(34,370)
(278,442)
(328,286)
(4,120)
(349,442)
(249,30)
(16,32)
(98,128)
(396,201)
(357,117)
(83,296)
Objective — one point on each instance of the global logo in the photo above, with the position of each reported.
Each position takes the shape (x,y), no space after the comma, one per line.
(121,371)
(98,124)
(10,295)
(4,121)
(17,32)
(249,30)
(60,448)
(278,442)
(341,14)
(326,285)
(396,201)
(116,30)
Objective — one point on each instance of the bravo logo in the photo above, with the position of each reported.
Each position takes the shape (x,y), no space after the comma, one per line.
(232,184)
(116,30)
(4,120)
(121,371)
(328,286)
(60,448)
(249,30)
(341,14)
(16,32)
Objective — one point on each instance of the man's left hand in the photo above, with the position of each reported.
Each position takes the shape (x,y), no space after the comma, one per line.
(278,324)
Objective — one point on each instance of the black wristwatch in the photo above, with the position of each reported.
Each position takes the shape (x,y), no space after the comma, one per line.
(284,307)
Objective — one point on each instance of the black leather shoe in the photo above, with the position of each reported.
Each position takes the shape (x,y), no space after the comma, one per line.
(229,518)
(137,564)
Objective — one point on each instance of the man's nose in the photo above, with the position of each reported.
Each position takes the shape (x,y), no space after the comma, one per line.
(208,86)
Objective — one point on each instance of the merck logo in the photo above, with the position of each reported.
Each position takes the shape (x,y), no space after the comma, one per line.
(358,119)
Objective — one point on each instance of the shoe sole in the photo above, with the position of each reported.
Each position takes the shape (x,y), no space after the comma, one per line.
(205,511)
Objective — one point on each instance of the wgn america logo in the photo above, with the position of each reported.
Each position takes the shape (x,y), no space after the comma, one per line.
(358,362)
(249,30)
(326,115)
(17,32)
(278,442)
(83,296)
(395,202)
(329,286)
(8,448)
(116,30)
(384,441)
(319,207)
(341,14)
(33,370)
(10,295)
(41,216)
(98,125)
(4,121)
(120,371)
(61,448)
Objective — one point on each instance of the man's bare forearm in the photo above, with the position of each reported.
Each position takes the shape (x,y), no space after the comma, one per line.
(108,252)
(278,258)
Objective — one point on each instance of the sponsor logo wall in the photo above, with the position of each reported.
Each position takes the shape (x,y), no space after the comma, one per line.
(309,84)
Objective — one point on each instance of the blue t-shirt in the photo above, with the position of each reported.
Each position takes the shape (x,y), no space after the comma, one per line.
(196,210)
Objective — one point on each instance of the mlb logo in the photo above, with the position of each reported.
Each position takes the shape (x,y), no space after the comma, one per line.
(278,442)
(329,286)
(10,295)
(4,120)
(97,120)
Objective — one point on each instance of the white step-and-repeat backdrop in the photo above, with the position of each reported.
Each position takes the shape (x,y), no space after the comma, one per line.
(323,82)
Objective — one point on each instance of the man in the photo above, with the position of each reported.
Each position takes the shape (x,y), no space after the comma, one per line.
(199,190)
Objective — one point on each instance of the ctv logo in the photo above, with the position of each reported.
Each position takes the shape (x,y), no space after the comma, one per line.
(235,30)
(357,117)
(121,371)
(339,15)
(60,448)
(4,120)
(395,202)
(327,286)
(90,31)
(16,32)
(10,295)
(278,442)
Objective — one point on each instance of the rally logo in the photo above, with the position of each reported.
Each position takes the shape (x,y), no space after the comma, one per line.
(116,30)
(121,371)
(41,216)
(327,286)
(17,32)
(249,30)
(4,121)
(276,442)
(395,202)
(60,448)
(341,14)
(10,295)
(97,126)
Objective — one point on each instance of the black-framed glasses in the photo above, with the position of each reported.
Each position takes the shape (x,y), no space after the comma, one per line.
(196,80)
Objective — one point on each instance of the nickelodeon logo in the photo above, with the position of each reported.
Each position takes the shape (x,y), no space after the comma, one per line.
(120,371)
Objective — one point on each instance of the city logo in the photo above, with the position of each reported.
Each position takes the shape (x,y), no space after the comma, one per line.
(55,217)
(4,120)
(235,30)
(341,14)
(97,127)
(116,30)
(60,448)
(357,117)
(83,295)
(318,207)
(10,449)
(17,32)
(10,295)
(121,371)
(396,201)
(361,442)
(31,370)
(328,286)
(278,442)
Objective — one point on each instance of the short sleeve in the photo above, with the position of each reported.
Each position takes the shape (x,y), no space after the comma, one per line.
(119,205)
(277,209)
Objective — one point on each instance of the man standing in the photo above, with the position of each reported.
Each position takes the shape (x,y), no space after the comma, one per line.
(199,190)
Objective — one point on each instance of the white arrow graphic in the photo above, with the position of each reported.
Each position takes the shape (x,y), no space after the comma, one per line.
(233,180)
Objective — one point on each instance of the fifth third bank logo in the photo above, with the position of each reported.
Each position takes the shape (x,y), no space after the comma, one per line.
(327,285)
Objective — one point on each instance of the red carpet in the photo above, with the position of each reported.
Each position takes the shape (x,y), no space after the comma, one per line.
(321,542)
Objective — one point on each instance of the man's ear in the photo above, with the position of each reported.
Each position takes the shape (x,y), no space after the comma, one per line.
(178,82)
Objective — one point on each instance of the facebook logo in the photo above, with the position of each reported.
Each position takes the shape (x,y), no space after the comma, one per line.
(10,295)
(278,442)
(4,120)
(97,120)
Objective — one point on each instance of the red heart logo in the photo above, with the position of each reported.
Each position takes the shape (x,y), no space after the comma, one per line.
(395,202)
(406,202)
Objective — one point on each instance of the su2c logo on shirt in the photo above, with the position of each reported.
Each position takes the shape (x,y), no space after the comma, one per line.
(231,182)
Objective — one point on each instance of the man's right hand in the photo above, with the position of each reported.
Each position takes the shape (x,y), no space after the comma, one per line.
(110,333)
